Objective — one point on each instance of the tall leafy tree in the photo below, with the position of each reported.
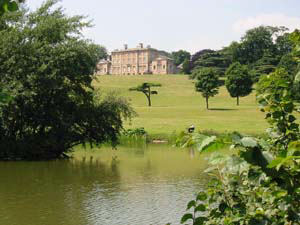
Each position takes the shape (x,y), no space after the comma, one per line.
(198,55)
(238,82)
(207,82)
(216,60)
(145,88)
(49,69)
(256,42)
(180,56)
(186,66)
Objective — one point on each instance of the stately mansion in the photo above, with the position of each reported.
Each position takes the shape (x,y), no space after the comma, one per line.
(137,60)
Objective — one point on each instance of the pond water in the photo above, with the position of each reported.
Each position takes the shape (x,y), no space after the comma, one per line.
(134,186)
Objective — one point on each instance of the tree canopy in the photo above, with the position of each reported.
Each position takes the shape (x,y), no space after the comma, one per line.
(145,88)
(180,56)
(238,82)
(207,82)
(217,60)
(48,68)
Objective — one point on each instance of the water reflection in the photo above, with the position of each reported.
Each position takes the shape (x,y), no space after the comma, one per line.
(131,186)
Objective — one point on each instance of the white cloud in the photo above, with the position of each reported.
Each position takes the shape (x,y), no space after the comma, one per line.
(274,19)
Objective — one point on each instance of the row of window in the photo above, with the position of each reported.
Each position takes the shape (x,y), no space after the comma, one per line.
(129,60)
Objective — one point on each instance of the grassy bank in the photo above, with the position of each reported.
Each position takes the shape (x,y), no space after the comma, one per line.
(177,106)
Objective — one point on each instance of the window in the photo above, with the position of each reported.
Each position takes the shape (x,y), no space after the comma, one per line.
(164,66)
(154,67)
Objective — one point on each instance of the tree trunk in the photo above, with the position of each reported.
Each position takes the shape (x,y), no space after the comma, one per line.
(206,102)
(149,100)
(237,100)
(149,97)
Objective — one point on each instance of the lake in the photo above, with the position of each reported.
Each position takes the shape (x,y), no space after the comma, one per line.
(135,186)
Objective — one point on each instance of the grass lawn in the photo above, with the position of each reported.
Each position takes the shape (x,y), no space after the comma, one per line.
(178,106)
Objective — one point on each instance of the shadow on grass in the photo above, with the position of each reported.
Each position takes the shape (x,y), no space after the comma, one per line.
(221,109)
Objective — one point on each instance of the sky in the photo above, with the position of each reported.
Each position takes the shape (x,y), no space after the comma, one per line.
(172,25)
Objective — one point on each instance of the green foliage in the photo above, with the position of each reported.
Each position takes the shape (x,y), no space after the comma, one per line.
(288,63)
(9,6)
(135,132)
(295,39)
(180,56)
(199,55)
(207,82)
(48,69)
(238,82)
(260,183)
(255,43)
(145,88)
(265,65)
(217,60)
(186,66)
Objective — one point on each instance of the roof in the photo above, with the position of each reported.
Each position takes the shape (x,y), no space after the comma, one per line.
(104,61)
(134,49)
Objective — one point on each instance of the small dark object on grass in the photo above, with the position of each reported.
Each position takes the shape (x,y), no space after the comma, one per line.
(191,129)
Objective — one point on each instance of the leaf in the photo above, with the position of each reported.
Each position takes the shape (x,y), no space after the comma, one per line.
(279,194)
(297,77)
(276,163)
(216,159)
(202,196)
(249,142)
(236,138)
(186,217)
(268,156)
(200,208)
(191,204)
(210,169)
(200,220)
(12,6)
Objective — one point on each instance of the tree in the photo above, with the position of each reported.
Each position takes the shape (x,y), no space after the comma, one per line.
(207,82)
(186,66)
(217,60)
(238,82)
(197,55)
(257,41)
(146,89)
(48,68)
(180,56)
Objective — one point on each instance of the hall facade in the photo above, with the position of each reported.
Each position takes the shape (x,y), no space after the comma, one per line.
(139,60)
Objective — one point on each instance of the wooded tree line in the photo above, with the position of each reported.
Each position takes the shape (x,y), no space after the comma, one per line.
(260,51)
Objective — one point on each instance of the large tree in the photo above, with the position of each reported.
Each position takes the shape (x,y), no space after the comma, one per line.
(180,56)
(49,68)
(217,60)
(238,82)
(145,88)
(207,82)
(199,54)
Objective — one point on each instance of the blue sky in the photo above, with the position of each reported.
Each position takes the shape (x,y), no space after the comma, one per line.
(178,24)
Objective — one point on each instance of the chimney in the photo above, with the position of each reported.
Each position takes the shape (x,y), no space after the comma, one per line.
(141,45)
(125,46)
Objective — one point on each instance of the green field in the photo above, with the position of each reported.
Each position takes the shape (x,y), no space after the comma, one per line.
(178,106)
